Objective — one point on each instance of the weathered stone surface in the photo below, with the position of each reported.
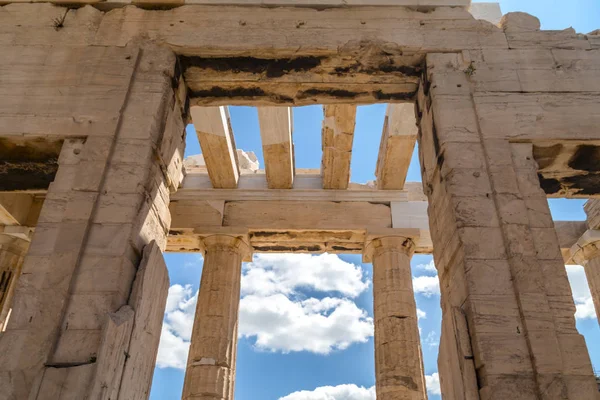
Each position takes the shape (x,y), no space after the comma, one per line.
(525,327)
(399,370)
(61,319)
(210,369)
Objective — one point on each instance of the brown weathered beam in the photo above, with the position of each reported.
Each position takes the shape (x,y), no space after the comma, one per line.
(278,149)
(397,145)
(218,145)
(337,138)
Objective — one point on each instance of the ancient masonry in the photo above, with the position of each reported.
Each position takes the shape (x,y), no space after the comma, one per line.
(94,99)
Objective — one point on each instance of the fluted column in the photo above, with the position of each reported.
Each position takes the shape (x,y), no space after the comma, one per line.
(586,252)
(12,253)
(210,370)
(398,360)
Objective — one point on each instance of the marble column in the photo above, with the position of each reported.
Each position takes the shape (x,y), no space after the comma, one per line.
(586,252)
(12,253)
(398,360)
(210,370)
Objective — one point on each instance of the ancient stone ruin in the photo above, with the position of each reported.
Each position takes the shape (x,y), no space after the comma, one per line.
(95,97)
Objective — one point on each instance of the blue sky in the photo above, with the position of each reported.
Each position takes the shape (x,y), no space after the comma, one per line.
(308,335)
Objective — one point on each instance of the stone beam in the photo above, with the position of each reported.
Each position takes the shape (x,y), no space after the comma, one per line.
(307,55)
(213,127)
(276,128)
(337,137)
(397,145)
(313,224)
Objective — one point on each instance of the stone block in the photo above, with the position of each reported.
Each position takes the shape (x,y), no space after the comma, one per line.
(491,247)
(455,119)
(468,182)
(512,209)
(546,244)
(109,240)
(98,273)
(77,346)
(488,277)
(89,310)
(519,22)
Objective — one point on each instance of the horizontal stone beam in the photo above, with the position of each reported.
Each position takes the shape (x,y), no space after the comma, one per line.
(307,187)
(313,226)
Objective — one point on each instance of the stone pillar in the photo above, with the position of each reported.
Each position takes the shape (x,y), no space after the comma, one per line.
(589,256)
(586,252)
(399,370)
(12,252)
(508,329)
(75,318)
(210,372)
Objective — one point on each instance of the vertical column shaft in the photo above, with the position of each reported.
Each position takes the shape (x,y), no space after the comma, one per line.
(592,273)
(210,370)
(398,360)
(12,252)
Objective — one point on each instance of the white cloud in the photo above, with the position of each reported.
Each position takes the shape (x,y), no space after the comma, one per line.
(274,312)
(429,267)
(581,292)
(421,314)
(341,392)
(284,273)
(177,327)
(428,286)
(433,384)
(432,339)
(318,326)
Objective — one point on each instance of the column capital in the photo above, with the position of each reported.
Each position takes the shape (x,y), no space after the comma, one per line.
(587,247)
(377,245)
(239,244)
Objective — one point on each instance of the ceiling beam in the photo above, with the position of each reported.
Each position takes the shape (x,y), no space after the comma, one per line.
(337,138)
(276,127)
(397,145)
(215,135)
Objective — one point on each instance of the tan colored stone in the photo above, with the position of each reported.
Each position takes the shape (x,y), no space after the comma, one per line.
(211,361)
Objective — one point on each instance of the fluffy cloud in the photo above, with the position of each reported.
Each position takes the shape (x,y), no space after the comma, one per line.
(581,292)
(341,392)
(428,286)
(429,267)
(315,325)
(432,339)
(268,274)
(177,327)
(433,384)
(274,311)
(353,392)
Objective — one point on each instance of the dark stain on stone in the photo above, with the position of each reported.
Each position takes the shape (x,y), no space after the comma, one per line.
(336,93)
(28,164)
(239,92)
(26,175)
(389,68)
(287,248)
(398,96)
(585,185)
(272,68)
(346,248)
(586,158)
(545,156)
(549,185)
